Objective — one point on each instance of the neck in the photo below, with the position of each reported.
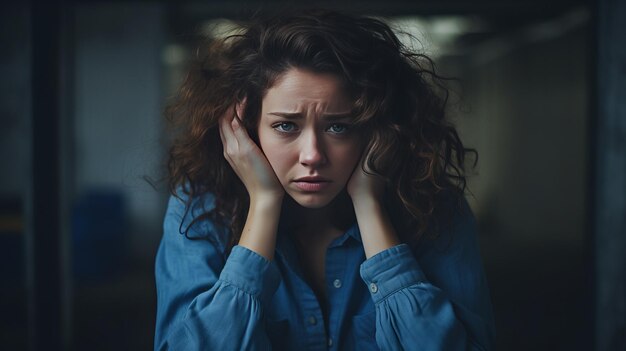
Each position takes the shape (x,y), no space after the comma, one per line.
(338,214)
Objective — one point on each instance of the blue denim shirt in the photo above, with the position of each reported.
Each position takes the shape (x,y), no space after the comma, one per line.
(435,298)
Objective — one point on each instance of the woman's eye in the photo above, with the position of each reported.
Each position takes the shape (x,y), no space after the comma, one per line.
(338,128)
(284,127)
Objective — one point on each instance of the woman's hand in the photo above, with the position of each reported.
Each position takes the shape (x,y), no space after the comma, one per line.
(266,192)
(247,159)
(363,186)
(366,191)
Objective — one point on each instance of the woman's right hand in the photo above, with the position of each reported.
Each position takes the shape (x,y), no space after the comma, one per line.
(247,159)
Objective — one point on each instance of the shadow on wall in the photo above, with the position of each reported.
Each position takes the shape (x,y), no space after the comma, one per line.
(528,120)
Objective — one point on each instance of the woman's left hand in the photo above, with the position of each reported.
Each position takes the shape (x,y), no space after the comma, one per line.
(364,186)
(366,191)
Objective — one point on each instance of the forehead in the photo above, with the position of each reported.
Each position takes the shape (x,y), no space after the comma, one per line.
(298,89)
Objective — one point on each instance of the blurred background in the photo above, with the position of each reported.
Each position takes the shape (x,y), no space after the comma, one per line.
(540,94)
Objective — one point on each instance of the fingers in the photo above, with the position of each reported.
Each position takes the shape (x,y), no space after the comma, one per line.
(230,123)
(229,140)
(246,158)
(234,135)
(240,107)
(236,142)
(220,124)
(240,133)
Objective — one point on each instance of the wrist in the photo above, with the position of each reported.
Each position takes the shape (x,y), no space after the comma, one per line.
(377,231)
(365,202)
(267,200)
(259,232)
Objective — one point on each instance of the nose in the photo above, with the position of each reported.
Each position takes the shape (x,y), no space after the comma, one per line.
(312,153)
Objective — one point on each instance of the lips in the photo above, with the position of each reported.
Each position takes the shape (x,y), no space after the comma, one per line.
(312,184)
(312,179)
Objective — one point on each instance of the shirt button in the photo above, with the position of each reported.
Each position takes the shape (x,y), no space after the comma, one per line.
(312,320)
(330,342)
(373,288)
(337,283)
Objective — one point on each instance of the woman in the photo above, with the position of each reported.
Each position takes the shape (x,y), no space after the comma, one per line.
(317,198)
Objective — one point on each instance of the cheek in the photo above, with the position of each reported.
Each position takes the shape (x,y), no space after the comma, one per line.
(349,157)
(277,153)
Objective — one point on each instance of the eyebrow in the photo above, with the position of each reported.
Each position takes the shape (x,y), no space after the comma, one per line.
(298,115)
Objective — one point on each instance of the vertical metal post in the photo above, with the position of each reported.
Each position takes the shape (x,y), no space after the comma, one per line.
(44,250)
(609,180)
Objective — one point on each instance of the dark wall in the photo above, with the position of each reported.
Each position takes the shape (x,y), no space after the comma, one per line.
(528,113)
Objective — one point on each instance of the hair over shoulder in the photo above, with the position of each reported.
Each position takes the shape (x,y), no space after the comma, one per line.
(399,101)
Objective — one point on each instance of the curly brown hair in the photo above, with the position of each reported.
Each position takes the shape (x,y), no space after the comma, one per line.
(399,101)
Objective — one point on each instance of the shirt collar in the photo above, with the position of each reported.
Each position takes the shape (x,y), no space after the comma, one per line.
(285,247)
(352,232)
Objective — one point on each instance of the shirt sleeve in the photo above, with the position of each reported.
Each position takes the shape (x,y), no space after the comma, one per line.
(437,302)
(203,301)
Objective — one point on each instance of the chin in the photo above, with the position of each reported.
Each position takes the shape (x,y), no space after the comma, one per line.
(313,200)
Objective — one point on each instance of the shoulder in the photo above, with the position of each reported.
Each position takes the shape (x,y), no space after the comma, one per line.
(451,259)
(452,228)
(184,208)
(189,218)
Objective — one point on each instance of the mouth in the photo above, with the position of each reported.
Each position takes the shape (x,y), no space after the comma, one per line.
(312,184)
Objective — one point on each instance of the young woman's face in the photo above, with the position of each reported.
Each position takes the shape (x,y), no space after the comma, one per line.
(305,132)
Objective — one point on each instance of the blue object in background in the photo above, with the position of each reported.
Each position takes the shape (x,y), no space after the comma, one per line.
(99,234)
